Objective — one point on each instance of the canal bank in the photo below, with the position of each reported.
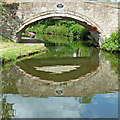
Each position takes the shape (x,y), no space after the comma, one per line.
(10,51)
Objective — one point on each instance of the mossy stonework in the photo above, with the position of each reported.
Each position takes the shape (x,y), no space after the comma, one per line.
(100,19)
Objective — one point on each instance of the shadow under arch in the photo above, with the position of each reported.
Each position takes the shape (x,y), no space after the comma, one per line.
(94,29)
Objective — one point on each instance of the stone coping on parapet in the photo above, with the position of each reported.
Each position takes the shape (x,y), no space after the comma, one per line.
(108,4)
(92,1)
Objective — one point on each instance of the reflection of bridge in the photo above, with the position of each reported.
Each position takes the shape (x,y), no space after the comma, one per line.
(84,65)
(99,18)
(100,81)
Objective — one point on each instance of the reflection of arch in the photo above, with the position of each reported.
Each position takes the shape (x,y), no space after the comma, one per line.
(94,83)
(81,19)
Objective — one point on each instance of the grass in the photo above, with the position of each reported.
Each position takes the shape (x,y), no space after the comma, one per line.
(10,51)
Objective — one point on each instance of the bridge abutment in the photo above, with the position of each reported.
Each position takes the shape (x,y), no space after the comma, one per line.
(98,39)
(18,37)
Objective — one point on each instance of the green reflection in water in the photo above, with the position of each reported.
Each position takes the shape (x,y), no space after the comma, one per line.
(7,109)
(85,99)
(67,47)
(113,59)
(57,39)
(62,51)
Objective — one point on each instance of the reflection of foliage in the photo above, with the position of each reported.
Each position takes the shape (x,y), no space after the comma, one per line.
(68,48)
(57,39)
(7,109)
(75,46)
(85,99)
(113,58)
(83,49)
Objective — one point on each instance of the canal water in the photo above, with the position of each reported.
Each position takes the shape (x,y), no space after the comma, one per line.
(71,80)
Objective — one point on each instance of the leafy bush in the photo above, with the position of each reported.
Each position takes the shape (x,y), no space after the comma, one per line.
(112,43)
(56,30)
(58,27)
(78,30)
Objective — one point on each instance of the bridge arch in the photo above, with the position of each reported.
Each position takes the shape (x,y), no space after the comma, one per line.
(94,29)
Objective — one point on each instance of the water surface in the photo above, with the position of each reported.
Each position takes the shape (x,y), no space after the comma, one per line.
(72,80)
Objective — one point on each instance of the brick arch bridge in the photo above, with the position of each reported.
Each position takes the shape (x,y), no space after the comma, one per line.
(101,19)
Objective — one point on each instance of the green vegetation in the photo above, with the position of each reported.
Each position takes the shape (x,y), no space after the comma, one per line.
(3,39)
(58,27)
(10,51)
(113,43)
